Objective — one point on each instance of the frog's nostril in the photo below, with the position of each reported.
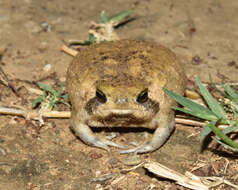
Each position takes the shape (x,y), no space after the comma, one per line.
(121,100)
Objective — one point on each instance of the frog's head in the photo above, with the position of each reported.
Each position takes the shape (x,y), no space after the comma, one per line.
(122,102)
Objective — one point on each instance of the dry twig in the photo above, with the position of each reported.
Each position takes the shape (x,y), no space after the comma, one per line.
(188,180)
(69,51)
(189,122)
(34,115)
(5,81)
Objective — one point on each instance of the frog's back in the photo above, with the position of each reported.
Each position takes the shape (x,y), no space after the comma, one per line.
(125,62)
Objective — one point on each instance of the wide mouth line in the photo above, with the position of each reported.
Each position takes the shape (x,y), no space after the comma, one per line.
(120,111)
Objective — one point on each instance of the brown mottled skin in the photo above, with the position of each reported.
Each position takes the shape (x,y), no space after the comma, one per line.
(119,84)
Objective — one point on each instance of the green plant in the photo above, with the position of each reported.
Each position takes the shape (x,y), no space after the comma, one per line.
(214,115)
(108,21)
(50,97)
(114,19)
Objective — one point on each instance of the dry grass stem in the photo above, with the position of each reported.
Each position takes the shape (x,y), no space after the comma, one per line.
(69,51)
(189,122)
(133,168)
(215,181)
(103,32)
(192,181)
(57,114)
(34,90)
(188,180)
(31,114)
(5,81)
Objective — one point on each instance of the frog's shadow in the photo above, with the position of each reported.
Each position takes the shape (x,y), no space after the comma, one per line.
(122,129)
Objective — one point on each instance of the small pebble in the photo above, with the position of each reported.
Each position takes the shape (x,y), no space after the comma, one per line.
(192,94)
(43,46)
(47,67)
(196,60)
(46,27)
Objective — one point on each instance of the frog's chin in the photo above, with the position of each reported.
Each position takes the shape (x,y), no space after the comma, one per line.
(117,121)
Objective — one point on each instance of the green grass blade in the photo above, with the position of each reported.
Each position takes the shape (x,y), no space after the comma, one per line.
(91,39)
(197,114)
(65,97)
(229,91)
(215,107)
(231,94)
(37,101)
(221,135)
(192,106)
(104,17)
(120,16)
(51,104)
(217,89)
(224,144)
(230,129)
(47,88)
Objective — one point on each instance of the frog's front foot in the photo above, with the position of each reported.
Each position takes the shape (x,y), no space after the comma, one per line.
(159,138)
(88,137)
(104,143)
(140,149)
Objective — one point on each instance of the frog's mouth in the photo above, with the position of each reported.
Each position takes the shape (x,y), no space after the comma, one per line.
(120,117)
(119,112)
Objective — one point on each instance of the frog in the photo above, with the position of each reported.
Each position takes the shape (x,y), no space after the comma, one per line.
(121,84)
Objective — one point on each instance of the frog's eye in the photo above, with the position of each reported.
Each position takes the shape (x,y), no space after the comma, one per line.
(101,96)
(143,96)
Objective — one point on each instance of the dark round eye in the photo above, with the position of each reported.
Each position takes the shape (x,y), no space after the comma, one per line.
(101,96)
(143,96)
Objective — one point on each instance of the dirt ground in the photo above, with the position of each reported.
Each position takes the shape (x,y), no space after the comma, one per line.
(202,33)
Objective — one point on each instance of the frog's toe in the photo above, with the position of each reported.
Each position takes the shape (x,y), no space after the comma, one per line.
(100,144)
(110,143)
(104,143)
(141,149)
